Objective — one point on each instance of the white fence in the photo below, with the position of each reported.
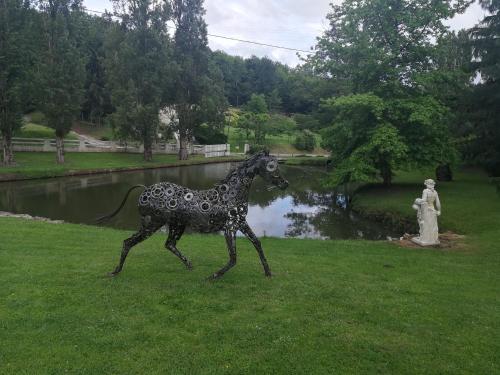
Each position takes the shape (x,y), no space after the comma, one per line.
(49,145)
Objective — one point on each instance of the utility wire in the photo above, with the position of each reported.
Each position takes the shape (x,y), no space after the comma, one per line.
(225,37)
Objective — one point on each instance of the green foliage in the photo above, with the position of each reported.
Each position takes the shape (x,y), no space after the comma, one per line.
(371,137)
(257,104)
(374,43)
(97,100)
(306,122)
(256,148)
(207,135)
(61,64)
(198,87)
(305,141)
(485,100)
(139,68)
(14,64)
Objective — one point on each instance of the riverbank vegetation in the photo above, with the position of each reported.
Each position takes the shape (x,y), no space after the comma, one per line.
(379,98)
(41,164)
(342,306)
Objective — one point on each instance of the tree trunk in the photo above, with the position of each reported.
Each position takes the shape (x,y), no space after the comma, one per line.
(183,151)
(59,149)
(148,152)
(444,173)
(386,174)
(8,154)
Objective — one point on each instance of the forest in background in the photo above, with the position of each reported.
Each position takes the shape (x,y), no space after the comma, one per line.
(387,87)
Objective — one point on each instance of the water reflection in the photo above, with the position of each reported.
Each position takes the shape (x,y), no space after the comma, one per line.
(305,209)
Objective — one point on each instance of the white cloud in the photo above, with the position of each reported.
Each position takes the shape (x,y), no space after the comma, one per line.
(289,23)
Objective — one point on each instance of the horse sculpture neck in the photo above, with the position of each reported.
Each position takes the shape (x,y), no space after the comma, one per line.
(238,182)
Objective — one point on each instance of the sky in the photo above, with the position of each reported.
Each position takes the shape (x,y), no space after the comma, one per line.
(289,23)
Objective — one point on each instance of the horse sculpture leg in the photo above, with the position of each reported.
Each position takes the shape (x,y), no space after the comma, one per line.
(231,248)
(248,232)
(148,228)
(174,234)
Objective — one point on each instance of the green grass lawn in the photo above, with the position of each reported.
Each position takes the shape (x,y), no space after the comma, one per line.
(346,307)
(31,130)
(43,164)
(95,131)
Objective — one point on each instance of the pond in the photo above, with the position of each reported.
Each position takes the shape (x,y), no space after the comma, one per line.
(304,210)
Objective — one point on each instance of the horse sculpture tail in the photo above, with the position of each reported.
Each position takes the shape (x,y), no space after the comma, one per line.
(103,219)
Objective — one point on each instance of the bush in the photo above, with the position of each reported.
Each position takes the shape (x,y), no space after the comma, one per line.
(207,135)
(257,148)
(306,122)
(305,141)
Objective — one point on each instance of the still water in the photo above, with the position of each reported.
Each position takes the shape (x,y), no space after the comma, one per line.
(305,209)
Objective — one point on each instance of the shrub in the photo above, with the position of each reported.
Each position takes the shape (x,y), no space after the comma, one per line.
(305,141)
(255,148)
(207,135)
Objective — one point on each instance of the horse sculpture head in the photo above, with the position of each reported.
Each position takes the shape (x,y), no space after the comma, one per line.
(267,167)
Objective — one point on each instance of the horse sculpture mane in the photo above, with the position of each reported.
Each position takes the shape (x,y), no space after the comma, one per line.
(221,208)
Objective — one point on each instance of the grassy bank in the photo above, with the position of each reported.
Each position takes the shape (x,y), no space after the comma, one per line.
(332,307)
(43,164)
(32,130)
(471,203)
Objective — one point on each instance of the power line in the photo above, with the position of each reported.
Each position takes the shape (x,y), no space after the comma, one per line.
(226,37)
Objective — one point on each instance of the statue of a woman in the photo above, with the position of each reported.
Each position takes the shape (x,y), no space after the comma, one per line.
(428,209)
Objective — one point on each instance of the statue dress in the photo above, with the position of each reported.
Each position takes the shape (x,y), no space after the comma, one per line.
(428,209)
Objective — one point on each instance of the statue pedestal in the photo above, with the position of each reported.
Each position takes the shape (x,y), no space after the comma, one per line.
(418,241)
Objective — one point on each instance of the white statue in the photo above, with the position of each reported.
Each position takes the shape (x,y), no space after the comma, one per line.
(428,209)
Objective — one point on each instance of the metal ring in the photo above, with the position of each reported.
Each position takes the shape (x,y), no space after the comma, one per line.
(205,206)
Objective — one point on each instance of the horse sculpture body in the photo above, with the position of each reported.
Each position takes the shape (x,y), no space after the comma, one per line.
(222,208)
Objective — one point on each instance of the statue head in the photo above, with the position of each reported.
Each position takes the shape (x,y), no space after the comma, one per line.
(429,183)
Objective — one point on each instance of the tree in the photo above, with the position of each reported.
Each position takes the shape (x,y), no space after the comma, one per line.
(485,98)
(375,43)
(14,62)
(61,71)
(97,97)
(139,69)
(255,118)
(192,56)
(371,137)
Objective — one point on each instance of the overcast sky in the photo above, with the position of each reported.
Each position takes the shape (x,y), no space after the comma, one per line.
(289,23)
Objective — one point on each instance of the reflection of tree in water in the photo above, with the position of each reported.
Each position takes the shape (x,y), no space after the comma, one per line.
(332,222)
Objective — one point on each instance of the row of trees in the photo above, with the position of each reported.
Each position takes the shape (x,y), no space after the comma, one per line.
(404,93)
(389,86)
(57,58)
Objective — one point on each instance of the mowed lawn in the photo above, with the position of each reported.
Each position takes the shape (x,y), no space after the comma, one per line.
(332,306)
(43,164)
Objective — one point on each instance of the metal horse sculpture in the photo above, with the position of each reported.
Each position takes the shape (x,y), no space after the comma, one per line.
(222,208)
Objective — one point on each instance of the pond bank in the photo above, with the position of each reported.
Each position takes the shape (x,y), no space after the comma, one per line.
(42,165)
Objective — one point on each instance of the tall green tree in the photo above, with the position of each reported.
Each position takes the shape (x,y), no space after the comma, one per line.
(372,44)
(14,64)
(97,97)
(62,67)
(376,52)
(191,54)
(485,114)
(139,68)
